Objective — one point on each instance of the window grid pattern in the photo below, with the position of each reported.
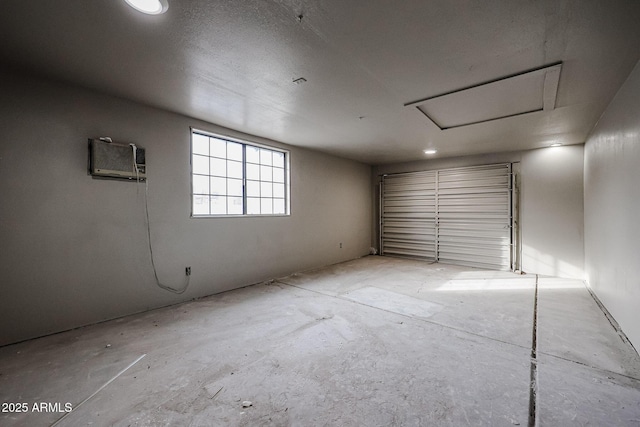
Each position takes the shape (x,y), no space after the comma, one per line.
(233,178)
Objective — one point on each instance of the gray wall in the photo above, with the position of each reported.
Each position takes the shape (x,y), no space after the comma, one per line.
(73,250)
(612,203)
(551,204)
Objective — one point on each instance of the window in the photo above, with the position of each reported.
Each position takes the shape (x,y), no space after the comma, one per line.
(237,178)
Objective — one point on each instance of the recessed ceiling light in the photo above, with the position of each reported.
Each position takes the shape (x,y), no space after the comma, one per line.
(150,7)
(430,152)
(555,144)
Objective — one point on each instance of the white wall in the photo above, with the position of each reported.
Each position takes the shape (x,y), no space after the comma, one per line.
(612,203)
(552,214)
(551,204)
(73,250)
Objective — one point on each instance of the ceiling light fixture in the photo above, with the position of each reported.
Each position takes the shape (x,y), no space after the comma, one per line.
(150,7)
(429,152)
(555,144)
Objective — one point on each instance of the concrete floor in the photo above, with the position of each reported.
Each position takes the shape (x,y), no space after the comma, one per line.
(372,342)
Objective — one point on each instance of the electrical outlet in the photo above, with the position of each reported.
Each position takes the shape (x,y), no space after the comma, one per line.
(187,271)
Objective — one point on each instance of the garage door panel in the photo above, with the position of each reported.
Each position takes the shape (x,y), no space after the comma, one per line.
(474,261)
(474,216)
(395,232)
(408,215)
(476,201)
(414,249)
(477,237)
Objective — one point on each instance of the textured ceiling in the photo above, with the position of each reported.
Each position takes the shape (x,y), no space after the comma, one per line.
(233,63)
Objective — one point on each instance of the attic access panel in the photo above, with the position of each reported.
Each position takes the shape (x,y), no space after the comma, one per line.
(522,93)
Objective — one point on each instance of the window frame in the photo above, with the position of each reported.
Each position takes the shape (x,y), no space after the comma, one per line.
(245,144)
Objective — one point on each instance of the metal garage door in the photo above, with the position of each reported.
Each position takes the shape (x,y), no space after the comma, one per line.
(458,216)
(409,215)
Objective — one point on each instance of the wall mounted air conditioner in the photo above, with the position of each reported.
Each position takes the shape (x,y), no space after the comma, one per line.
(113,160)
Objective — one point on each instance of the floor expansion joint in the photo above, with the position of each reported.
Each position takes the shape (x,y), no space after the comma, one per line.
(533,387)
